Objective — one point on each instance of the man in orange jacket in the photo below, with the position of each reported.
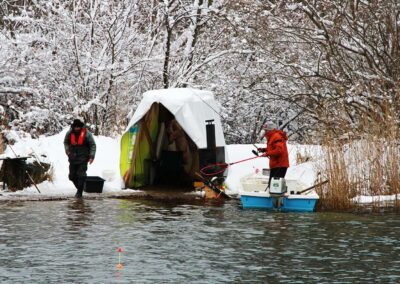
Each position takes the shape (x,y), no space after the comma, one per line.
(276,151)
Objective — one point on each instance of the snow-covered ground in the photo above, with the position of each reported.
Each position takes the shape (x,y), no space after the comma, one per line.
(51,150)
(106,164)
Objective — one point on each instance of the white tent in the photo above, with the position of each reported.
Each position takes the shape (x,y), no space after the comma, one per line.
(190,107)
(166,138)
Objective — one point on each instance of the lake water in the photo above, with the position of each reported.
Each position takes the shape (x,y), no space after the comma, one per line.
(76,241)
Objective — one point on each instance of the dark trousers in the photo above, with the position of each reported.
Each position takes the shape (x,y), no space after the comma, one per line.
(77,174)
(276,173)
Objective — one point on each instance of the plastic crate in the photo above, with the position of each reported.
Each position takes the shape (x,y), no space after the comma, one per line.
(254,182)
(94,184)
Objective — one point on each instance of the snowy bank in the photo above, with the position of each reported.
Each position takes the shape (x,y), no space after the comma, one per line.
(378,199)
(51,150)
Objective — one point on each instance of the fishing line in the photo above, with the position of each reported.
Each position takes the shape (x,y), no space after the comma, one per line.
(219,168)
(197,95)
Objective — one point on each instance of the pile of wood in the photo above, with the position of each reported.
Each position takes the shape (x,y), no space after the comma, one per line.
(17,174)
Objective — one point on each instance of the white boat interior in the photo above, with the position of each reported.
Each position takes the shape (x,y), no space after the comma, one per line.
(257,184)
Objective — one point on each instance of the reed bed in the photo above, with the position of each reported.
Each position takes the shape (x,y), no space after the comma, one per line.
(368,165)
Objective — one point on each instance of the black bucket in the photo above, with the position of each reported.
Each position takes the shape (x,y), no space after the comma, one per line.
(94,184)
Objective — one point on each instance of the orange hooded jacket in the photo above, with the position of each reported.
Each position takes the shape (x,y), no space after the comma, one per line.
(277,149)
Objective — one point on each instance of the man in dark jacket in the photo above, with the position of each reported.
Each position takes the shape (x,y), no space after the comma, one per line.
(80,148)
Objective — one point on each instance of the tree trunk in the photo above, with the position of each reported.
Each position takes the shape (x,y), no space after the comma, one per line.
(167,56)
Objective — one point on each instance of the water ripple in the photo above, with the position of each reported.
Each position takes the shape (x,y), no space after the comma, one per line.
(75,242)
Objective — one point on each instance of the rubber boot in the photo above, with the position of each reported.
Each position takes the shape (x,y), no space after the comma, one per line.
(79,186)
(78,194)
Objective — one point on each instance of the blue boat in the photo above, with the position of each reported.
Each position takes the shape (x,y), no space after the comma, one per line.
(285,203)
(256,196)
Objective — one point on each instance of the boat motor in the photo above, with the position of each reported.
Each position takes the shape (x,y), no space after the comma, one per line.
(278,186)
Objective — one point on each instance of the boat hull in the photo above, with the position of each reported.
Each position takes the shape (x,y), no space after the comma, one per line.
(291,203)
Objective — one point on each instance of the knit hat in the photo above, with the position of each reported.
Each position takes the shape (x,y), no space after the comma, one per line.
(77,123)
(269,126)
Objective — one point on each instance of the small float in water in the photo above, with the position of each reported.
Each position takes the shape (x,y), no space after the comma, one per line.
(284,195)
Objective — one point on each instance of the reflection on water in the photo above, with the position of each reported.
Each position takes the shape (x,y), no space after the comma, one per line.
(78,215)
(76,241)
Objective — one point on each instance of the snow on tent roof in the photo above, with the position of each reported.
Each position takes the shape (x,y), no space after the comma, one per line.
(191,108)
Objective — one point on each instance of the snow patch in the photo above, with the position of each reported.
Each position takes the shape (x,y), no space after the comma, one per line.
(51,150)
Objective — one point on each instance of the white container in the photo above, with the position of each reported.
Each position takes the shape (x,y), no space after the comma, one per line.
(278,186)
(108,175)
(266,172)
(254,182)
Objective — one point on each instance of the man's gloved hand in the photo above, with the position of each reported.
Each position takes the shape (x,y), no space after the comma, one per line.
(261,150)
(254,152)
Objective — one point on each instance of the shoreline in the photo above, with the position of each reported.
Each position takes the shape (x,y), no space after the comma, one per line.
(128,194)
(190,197)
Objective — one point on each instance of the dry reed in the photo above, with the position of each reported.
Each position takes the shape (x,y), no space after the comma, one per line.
(367,165)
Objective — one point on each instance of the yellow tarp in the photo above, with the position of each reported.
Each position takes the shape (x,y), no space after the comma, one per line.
(127,144)
(138,145)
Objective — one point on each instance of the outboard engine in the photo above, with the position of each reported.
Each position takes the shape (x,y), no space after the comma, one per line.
(277,191)
(278,186)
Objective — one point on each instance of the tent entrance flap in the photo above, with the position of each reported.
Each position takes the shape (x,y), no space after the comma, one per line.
(138,145)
